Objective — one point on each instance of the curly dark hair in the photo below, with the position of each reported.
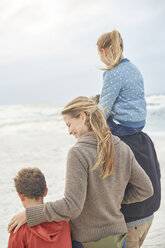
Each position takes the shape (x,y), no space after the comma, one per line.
(30,182)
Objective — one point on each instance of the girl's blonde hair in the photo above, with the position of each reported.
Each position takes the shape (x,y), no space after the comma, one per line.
(98,125)
(113,42)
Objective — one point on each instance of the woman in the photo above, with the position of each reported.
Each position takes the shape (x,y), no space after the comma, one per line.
(99,168)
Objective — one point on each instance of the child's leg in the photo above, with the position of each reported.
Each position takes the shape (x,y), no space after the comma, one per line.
(119,130)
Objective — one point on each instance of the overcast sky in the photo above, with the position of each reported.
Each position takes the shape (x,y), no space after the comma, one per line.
(48,48)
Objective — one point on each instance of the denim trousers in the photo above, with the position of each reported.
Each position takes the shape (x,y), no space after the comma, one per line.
(119,130)
(76,244)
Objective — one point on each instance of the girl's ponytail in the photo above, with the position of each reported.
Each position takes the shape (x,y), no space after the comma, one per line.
(113,42)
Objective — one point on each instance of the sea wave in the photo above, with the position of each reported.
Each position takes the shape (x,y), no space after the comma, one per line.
(29,114)
(30,117)
(47,116)
(156,105)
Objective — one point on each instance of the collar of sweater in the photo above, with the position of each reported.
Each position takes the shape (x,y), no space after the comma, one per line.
(90,139)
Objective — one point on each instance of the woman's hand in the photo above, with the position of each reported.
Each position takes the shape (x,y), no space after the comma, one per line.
(17,221)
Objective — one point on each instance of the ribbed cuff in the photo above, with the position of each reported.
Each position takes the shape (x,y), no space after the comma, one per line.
(141,221)
(35,215)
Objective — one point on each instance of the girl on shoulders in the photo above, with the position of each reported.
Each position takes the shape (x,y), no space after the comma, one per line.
(122,96)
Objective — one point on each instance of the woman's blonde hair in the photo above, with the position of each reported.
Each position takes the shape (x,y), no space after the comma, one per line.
(113,42)
(98,125)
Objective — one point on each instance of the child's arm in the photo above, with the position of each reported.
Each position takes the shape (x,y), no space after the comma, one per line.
(110,91)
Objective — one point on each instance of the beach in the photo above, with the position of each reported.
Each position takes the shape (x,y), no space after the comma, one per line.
(36,136)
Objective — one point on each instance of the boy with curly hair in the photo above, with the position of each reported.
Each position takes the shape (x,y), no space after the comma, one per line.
(31,187)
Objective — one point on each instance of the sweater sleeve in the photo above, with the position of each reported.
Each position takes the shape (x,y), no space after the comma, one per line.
(110,91)
(139,187)
(72,204)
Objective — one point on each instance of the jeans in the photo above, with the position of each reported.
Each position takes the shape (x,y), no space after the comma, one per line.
(119,130)
(125,242)
(76,244)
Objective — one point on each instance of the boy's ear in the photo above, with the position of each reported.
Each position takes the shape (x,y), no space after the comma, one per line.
(46,191)
(21,196)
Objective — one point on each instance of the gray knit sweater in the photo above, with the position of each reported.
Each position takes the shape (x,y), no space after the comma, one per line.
(90,203)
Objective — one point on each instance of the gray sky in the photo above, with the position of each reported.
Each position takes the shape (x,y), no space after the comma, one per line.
(48,48)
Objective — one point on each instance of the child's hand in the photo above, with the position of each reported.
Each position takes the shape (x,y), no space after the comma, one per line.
(17,221)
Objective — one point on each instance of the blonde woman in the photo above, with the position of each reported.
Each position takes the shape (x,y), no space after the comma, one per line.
(99,168)
(122,96)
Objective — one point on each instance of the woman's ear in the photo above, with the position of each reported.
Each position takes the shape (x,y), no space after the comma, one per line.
(83,117)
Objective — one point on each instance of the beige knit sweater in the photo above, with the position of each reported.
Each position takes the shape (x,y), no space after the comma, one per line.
(90,203)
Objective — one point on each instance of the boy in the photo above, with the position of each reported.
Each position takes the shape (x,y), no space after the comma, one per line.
(31,187)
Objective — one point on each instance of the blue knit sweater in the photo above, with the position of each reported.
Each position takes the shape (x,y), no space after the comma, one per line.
(122,95)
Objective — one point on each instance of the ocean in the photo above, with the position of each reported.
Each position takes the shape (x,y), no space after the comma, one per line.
(36,136)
